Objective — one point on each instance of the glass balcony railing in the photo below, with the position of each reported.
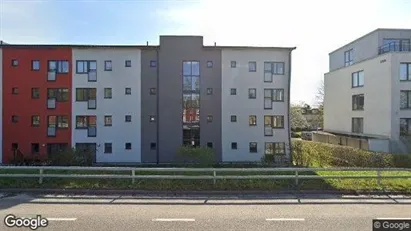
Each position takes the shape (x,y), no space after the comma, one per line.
(394,47)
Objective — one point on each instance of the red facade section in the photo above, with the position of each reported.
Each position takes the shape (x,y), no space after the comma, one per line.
(19,79)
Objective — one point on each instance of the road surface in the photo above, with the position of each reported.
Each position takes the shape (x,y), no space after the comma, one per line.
(281,212)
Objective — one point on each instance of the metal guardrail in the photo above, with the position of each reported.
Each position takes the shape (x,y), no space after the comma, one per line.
(213,173)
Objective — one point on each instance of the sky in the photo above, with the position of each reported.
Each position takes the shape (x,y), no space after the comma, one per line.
(315,27)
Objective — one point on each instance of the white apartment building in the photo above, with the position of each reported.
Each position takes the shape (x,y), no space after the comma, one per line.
(255,102)
(368,91)
(106,113)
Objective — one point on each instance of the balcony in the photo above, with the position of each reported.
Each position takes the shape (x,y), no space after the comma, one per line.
(394,47)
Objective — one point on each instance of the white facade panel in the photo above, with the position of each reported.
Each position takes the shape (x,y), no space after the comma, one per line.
(241,106)
(120,105)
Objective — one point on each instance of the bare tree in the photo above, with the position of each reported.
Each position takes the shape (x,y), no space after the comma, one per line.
(319,97)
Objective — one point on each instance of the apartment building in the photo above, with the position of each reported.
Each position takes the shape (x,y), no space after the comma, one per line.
(367,91)
(139,104)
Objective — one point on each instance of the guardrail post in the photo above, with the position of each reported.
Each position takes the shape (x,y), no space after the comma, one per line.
(379,177)
(133,173)
(41,176)
(214,175)
(296,179)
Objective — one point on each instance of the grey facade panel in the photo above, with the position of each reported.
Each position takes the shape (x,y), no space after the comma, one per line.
(173,51)
(148,106)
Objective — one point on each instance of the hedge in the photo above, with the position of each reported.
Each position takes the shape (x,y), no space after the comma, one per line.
(315,154)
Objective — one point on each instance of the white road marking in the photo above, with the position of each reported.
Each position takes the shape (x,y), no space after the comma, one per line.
(285,219)
(394,218)
(173,219)
(61,219)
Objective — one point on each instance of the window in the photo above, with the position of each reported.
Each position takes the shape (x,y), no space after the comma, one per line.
(35,93)
(83,122)
(35,65)
(85,94)
(15,91)
(58,66)
(272,68)
(107,93)
(128,91)
(153,63)
(253,147)
(234,145)
(233,91)
(233,64)
(128,63)
(58,122)
(233,118)
(108,65)
(274,121)
(209,145)
(153,91)
(191,76)
(209,64)
(108,120)
(405,99)
(358,79)
(252,66)
(405,71)
(127,118)
(35,148)
(152,118)
(348,57)
(108,148)
(405,126)
(128,146)
(274,148)
(252,93)
(153,146)
(272,95)
(209,91)
(14,119)
(252,120)
(14,62)
(60,94)
(35,121)
(86,66)
(358,102)
(209,118)
(357,125)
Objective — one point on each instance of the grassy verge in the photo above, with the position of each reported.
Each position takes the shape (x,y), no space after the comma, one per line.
(397,185)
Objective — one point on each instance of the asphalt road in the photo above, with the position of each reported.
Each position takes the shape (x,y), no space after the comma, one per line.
(281,212)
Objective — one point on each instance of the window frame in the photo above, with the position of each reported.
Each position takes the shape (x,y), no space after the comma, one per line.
(127,91)
(33,89)
(152,119)
(348,57)
(250,120)
(108,148)
(407,125)
(233,118)
(127,146)
(250,69)
(153,63)
(233,64)
(59,66)
(353,123)
(33,117)
(127,63)
(87,123)
(33,66)
(86,67)
(356,102)
(128,118)
(153,91)
(250,95)
(14,62)
(356,75)
(209,146)
(106,117)
(407,71)
(14,90)
(14,119)
(251,148)
(105,65)
(234,146)
(210,91)
(233,91)
(273,146)
(86,94)
(209,118)
(59,93)
(210,64)
(153,146)
(106,90)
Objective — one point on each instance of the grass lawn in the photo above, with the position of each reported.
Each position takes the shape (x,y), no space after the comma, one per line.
(397,185)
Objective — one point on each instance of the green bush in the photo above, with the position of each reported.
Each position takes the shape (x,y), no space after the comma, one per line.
(196,155)
(296,134)
(314,154)
(72,157)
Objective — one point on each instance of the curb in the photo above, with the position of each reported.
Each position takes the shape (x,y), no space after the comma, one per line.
(207,193)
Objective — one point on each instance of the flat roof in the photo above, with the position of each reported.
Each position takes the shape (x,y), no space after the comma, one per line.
(372,32)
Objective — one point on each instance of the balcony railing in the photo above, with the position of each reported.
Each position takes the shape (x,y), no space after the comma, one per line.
(394,47)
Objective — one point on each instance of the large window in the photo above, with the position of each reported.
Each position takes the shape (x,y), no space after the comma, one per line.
(272,68)
(357,125)
(274,148)
(405,126)
(191,103)
(58,121)
(357,79)
(405,99)
(348,57)
(393,44)
(60,94)
(58,66)
(85,66)
(272,95)
(358,102)
(85,94)
(405,71)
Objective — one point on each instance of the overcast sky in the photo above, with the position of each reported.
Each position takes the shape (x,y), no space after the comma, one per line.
(315,27)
